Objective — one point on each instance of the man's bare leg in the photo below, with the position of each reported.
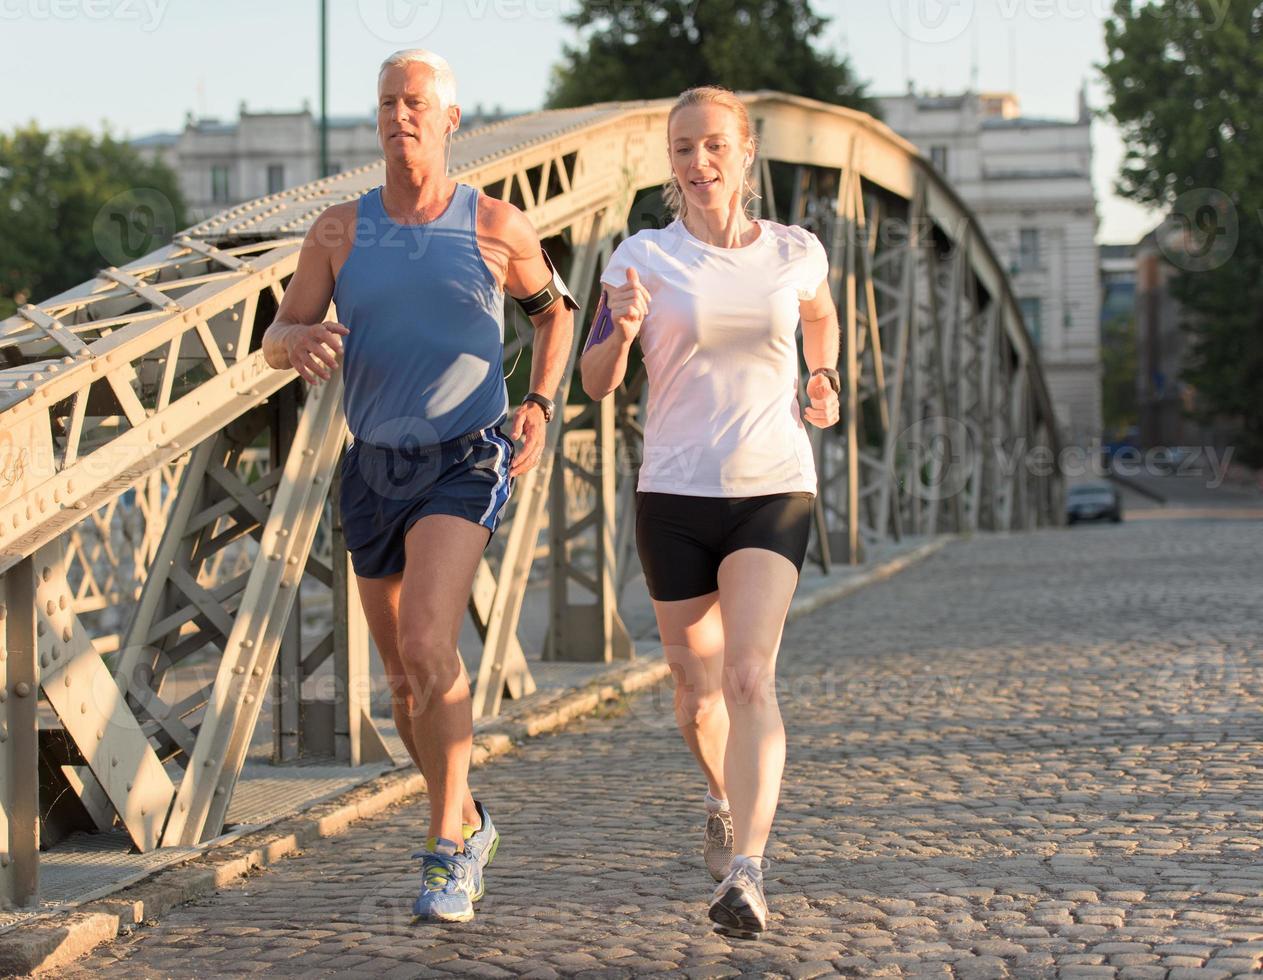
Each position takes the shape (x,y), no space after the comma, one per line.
(380,599)
(442,556)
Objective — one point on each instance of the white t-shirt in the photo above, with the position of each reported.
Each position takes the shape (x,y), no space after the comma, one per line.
(722,359)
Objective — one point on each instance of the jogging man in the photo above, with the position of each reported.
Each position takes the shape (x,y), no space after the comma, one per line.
(418,269)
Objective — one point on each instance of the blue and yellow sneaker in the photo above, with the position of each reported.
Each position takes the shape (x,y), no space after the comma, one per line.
(451,881)
(483,842)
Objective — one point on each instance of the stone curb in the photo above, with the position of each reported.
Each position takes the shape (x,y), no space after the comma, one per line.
(57,938)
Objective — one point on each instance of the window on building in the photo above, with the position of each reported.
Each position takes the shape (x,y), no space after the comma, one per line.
(938,157)
(219,183)
(1034,318)
(276,178)
(1028,248)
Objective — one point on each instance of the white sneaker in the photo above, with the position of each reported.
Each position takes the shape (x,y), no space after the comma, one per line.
(738,907)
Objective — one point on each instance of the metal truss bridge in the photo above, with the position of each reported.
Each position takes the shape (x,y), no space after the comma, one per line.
(164,494)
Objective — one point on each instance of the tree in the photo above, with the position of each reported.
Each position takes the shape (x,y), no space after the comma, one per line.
(71,204)
(644,49)
(1186,86)
(1118,380)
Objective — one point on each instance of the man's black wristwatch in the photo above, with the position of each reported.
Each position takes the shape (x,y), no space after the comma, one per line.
(546,404)
(835,379)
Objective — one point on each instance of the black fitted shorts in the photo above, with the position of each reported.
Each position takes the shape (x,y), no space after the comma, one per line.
(683,539)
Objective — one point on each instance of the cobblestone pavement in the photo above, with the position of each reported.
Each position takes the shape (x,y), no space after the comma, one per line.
(1029,756)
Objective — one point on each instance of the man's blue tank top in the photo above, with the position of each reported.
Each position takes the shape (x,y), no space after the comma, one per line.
(424,360)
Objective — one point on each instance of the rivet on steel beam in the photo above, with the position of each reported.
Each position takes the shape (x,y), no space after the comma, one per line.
(293,560)
(66,635)
(40,629)
(99,734)
(257,672)
(238,669)
(22,689)
(286,585)
(50,607)
(43,660)
(247,644)
(249,699)
(61,601)
(47,573)
(219,791)
(309,451)
(83,708)
(129,787)
(67,679)
(114,762)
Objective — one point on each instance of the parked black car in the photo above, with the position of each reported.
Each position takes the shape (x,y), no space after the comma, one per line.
(1093,501)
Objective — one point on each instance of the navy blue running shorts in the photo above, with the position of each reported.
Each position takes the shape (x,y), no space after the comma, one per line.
(682,539)
(387,490)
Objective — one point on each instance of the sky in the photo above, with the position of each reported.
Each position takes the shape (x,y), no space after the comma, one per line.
(139,66)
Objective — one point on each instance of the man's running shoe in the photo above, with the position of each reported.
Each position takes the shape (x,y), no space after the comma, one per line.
(483,843)
(717,847)
(451,882)
(738,908)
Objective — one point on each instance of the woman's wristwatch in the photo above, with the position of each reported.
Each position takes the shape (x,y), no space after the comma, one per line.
(835,379)
(546,405)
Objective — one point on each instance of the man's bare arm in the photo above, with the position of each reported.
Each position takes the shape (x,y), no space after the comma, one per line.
(300,337)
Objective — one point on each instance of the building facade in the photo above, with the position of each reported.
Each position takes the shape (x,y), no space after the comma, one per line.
(1029,182)
(221,165)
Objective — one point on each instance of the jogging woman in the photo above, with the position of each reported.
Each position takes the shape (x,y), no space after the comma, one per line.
(727,480)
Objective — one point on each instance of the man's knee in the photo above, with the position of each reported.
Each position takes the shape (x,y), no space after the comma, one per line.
(431,665)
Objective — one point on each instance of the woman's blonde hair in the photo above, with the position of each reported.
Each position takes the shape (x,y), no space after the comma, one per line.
(672,193)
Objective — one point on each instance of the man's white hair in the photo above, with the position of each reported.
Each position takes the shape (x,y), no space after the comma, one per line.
(444,77)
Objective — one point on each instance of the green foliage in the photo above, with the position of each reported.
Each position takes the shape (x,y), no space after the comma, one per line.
(1118,384)
(1186,87)
(646,49)
(72,203)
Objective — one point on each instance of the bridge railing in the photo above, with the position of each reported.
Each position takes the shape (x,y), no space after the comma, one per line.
(148,382)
